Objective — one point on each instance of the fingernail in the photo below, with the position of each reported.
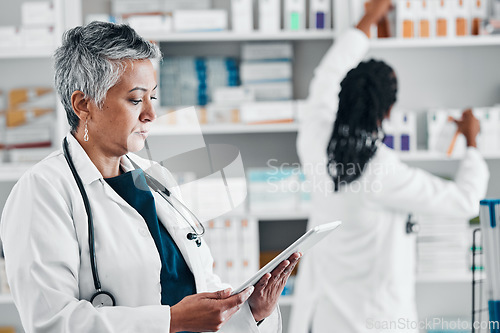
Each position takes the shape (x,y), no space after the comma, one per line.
(250,290)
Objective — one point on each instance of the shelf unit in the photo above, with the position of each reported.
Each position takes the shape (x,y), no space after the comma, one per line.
(312,46)
(11,172)
(229,36)
(27,52)
(467,41)
(222,129)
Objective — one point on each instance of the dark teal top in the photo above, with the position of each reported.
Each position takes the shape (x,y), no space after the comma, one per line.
(176,279)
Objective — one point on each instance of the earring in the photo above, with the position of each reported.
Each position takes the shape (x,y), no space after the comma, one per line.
(86,135)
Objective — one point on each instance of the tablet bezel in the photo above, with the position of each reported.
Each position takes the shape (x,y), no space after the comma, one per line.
(319,232)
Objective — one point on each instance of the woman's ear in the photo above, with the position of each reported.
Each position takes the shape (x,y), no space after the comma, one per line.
(80,104)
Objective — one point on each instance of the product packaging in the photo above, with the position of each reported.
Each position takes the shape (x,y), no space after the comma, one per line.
(319,14)
(295,15)
(242,15)
(269,15)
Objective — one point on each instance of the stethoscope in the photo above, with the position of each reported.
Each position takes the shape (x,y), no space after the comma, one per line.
(103,298)
(412,227)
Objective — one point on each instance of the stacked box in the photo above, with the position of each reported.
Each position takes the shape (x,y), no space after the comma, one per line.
(443,248)
(29,122)
(441,131)
(266,69)
(234,243)
(277,189)
(401,131)
(192,81)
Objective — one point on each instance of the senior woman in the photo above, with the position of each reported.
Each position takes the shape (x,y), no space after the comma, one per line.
(65,275)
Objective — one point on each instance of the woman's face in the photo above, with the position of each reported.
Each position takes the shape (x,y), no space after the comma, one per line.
(123,122)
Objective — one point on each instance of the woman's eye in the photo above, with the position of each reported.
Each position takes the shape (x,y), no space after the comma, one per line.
(153,98)
(135,101)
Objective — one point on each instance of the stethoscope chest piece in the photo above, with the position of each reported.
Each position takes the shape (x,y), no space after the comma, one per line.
(101,299)
(412,227)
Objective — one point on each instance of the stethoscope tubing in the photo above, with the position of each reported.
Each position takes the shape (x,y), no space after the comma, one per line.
(104,298)
(88,209)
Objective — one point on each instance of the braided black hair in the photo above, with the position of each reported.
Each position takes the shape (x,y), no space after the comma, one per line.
(366,96)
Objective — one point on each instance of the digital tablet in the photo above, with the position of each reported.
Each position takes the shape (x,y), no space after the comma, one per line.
(304,243)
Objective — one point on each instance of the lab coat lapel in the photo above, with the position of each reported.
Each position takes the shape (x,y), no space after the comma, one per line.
(178,229)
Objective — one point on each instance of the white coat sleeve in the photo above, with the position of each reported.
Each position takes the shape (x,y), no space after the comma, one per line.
(413,190)
(317,117)
(42,258)
(345,54)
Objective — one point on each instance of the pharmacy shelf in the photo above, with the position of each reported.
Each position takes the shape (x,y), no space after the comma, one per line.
(278,216)
(222,129)
(6,299)
(426,156)
(26,52)
(13,171)
(229,36)
(468,41)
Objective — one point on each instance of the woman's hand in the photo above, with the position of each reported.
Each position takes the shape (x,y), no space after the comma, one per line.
(269,288)
(206,312)
(469,127)
(376,10)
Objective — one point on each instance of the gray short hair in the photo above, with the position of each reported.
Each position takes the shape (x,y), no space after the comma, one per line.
(92,59)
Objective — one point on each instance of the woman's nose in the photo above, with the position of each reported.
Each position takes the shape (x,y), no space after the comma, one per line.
(149,113)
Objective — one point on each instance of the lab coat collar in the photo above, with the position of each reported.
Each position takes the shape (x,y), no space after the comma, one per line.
(86,169)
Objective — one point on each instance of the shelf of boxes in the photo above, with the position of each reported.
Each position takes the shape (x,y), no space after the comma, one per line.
(424,156)
(223,129)
(467,41)
(229,36)
(279,216)
(27,52)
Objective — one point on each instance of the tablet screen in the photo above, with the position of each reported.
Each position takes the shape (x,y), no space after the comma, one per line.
(304,243)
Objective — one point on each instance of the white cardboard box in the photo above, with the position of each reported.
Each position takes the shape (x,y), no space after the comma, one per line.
(269,15)
(38,14)
(242,15)
(200,20)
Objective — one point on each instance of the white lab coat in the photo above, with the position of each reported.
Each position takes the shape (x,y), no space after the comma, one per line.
(362,277)
(45,241)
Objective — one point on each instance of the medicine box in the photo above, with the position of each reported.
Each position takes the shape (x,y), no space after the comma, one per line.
(266,51)
(9,37)
(120,8)
(294,15)
(37,14)
(242,15)
(271,91)
(37,37)
(260,72)
(269,15)
(200,20)
(407,18)
(319,17)
(267,112)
